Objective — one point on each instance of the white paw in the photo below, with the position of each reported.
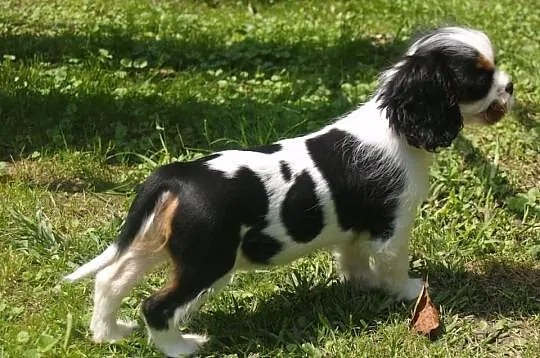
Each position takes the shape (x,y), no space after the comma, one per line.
(111,333)
(174,344)
(411,290)
(186,345)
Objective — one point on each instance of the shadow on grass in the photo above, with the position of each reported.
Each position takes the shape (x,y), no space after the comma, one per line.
(34,121)
(305,57)
(485,169)
(525,114)
(488,289)
(57,121)
(94,185)
(295,317)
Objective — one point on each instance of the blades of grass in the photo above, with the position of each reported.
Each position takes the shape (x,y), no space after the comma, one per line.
(143,158)
(69,327)
(37,231)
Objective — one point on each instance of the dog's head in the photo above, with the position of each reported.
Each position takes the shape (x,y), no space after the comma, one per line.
(447,77)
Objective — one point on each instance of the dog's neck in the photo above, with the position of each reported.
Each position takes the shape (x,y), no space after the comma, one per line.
(370,125)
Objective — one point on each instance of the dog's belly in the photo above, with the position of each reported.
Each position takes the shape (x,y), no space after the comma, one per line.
(293,250)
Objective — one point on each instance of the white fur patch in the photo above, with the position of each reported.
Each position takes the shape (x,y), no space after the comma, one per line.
(174,344)
(474,38)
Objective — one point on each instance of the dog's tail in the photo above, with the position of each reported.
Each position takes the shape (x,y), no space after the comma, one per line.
(102,260)
(147,212)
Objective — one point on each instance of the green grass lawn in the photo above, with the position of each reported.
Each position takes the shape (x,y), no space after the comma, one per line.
(94,94)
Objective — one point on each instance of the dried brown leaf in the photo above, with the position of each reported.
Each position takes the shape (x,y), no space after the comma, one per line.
(425,318)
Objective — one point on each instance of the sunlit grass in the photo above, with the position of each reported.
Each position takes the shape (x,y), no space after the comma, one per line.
(94,95)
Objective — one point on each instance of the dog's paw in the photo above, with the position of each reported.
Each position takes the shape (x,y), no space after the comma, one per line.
(411,290)
(112,333)
(175,344)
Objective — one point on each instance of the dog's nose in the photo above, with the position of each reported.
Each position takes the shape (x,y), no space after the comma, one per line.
(509,87)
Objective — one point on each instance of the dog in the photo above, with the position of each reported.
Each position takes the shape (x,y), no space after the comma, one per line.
(353,186)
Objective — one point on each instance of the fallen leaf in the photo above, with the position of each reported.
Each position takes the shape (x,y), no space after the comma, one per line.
(425,318)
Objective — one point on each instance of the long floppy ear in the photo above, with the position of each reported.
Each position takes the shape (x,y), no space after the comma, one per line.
(421,101)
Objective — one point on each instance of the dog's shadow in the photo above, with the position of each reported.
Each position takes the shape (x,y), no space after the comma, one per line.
(302,315)
(295,316)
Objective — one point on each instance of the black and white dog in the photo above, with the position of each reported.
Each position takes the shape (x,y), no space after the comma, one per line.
(353,186)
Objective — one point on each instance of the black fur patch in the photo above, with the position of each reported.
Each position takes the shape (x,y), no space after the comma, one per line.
(253,207)
(363,187)
(266,148)
(285,170)
(301,211)
(209,157)
(473,80)
(259,247)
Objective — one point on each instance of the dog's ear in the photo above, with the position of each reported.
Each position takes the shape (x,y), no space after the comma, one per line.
(421,101)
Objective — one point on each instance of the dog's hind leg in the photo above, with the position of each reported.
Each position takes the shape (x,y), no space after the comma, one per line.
(116,280)
(166,309)
(112,284)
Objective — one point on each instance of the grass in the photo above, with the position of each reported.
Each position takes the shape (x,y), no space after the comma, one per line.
(94,94)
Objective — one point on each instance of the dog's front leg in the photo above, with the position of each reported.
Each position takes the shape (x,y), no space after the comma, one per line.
(389,262)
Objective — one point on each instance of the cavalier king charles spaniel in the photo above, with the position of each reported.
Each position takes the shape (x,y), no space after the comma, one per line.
(352,186)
